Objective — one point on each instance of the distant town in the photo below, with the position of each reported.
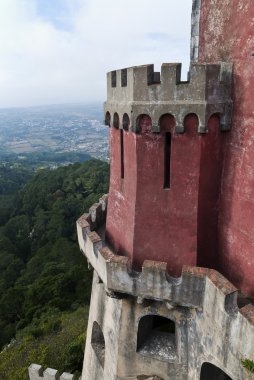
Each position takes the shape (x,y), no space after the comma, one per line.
(58,129)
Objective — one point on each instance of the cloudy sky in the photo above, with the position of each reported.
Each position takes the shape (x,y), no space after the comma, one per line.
(58,51)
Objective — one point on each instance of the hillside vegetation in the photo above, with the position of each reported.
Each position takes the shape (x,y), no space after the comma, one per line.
(44,280)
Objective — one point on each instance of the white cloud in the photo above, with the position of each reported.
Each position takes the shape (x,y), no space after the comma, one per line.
(41,63)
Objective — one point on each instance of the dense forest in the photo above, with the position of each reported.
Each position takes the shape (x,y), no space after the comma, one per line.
(44,280)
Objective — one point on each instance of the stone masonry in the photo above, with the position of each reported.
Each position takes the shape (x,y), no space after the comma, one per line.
(209,313)
(36,372)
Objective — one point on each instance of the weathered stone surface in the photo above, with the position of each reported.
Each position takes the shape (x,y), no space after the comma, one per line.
(207,335)
(35,372)
(206,93)
(202,303)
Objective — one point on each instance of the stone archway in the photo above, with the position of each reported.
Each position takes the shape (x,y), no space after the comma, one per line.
(211,372)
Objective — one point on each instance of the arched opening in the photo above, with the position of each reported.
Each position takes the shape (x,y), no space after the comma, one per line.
(126,122)
(211,372)
(144,124)
(107,119)
(98,343)
(116,120)
(191,123)
(214,122)
(157,338)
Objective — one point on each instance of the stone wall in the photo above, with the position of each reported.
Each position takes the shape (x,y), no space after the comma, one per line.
(213,322)
(36,372)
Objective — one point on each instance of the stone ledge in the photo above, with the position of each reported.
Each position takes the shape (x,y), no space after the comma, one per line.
(153,282)
(36,372)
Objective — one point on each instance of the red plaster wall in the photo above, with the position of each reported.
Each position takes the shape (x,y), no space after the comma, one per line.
(227,33)
(146,221)
(122,193)
(166,219)
(209,194)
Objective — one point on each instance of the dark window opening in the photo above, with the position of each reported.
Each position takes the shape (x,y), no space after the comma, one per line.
(107,119)
(98,343)
(124,77)
(157,338)
(122,153)
(116,120)
(113,78)
(211,372)
(126,122)
(167,159)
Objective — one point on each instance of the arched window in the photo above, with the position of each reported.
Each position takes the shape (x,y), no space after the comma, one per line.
(191,123)
(98,343)
(157,338)
(144,124)
(116,120)
(213,124)
(211,372)
(126,122)
(107,118)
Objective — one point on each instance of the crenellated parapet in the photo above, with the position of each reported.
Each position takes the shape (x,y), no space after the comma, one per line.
(139,90)
(154,282)
(36,372)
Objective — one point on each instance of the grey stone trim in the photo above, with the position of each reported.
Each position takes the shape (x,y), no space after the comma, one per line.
(207,92)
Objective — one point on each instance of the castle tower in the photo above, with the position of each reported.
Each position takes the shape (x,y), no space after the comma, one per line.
(166,140)
(159,309)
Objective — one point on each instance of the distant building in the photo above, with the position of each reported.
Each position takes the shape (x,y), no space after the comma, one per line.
(173,241)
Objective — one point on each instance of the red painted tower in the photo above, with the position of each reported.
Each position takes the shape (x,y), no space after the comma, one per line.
(166,157)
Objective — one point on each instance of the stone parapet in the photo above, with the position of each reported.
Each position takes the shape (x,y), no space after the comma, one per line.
(140,90)
(36,372)
(153,282)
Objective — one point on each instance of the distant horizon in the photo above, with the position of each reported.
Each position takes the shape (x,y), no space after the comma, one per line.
(98,103)
(58,52)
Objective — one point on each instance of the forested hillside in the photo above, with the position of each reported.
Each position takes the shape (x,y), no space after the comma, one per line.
(43,277)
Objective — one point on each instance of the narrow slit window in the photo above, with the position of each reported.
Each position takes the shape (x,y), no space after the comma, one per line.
(122,153)
(167,160)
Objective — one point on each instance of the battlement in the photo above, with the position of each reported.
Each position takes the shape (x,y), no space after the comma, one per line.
(36,372)
(141,83)
(139,90)
(153,282)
